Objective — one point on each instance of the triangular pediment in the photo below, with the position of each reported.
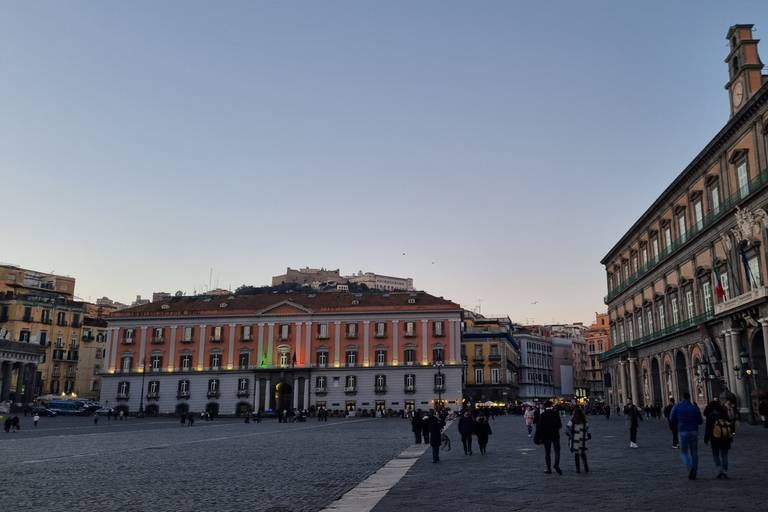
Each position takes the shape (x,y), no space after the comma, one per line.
(285,307)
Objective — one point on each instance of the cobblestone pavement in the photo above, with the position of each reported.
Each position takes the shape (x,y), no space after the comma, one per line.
(157,465)
(154,464)
(511,475)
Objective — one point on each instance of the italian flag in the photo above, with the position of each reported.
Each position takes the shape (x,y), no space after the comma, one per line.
(718,284)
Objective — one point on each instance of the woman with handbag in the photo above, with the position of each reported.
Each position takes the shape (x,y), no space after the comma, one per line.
(578,435)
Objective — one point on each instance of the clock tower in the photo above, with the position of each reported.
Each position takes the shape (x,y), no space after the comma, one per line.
(744,66)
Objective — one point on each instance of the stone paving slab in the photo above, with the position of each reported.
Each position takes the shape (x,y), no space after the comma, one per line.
(510,476)
(155,464)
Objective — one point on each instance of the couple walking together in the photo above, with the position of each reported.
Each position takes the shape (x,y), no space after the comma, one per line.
(548,428)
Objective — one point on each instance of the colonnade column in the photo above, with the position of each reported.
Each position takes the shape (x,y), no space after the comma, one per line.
(741,388)
(633,380)
(257,393)
(295,393)
(307,383)
(764,325)
(724,361)
(267,392)
(20,382)
(623,377)
(5,392)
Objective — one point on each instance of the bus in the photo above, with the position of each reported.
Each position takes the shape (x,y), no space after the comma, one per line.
(66,407)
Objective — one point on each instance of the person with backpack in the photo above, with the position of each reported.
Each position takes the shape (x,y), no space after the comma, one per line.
(688,417)
(718,432)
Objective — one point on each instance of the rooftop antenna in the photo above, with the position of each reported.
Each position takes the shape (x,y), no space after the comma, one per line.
(479,306)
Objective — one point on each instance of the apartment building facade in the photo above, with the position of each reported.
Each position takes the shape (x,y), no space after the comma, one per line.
(336,351)
(492,359)
(686,295)
(537,382)
(598,341)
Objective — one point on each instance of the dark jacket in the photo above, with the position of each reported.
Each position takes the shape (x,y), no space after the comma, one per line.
(632,415)
(687,416)
(416,423)
(536,415)
(433,424)
(482,430)
(713,412)
(466,424)
(549,425)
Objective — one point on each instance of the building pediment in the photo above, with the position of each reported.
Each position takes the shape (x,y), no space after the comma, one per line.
(285,307)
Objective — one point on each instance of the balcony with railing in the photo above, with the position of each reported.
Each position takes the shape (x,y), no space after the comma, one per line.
(189,339)
(409,389)
(182,394)
(350,390)
(707,221)
(153,395)
(656,335)
(379,389)
(212,394)
(321,390)
(439,388)
(215,339)
(123,396)
(87,337)
(157,339)
(242,392)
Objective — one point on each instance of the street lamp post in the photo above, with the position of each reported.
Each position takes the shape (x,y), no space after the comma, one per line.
(141,396)
(745,373)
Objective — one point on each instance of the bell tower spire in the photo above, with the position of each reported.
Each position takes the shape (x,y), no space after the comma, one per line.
(744,66)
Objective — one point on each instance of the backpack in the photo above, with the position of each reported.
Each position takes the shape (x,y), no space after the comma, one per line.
(722,429)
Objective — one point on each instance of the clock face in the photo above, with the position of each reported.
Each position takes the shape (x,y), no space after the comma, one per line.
(738,94)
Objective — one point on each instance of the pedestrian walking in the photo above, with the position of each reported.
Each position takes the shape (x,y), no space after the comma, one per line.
(416,427)
(482,431)
(433,424)
(95,419)
(183,418)
(607,412)
(672,426)
(718,433)
(548,433)
(35,418)
(733,414)
(633,418)
(190,419)
(8,424)
(688,418)
(529,414)
(578,435)
(762,410)
(466,428)
(121,414)
(109,414)
(15,423)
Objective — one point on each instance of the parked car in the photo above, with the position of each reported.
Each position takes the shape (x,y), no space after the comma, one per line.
(42,411)
(104,411)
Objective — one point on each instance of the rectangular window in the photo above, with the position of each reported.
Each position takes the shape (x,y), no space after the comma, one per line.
(479,353)
(123,388)
(410,329)
(478,375)
(285,331)
(634,264)
(245,360)
(437,328)
(706,288)
(724,282)
(639,326)
(322,358)
(662,325)
(631,325)
(645,256)
(689,304)
(715,199)
(322,331)
(215,360)
(494,375)
(283,358)
(183,389)
(650,321)
(621,334)
(185,363)
(216,333)
(350,383)
(213,385)
(351,356)
(352,330)
(188,335)
(438,354)
(698,213)
(319,384)
(626,271)
(675,314)
(409,355)
(381,356)
(743,176)
(410,382)
(153,390)
(127,363)
(655,248)
(156,362)
(381,330)
(668,237)
(245,333)
(681,227)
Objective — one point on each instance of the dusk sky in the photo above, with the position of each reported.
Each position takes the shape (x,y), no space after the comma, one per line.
(492,151)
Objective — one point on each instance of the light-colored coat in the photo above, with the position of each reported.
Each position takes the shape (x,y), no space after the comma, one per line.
(577,437)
